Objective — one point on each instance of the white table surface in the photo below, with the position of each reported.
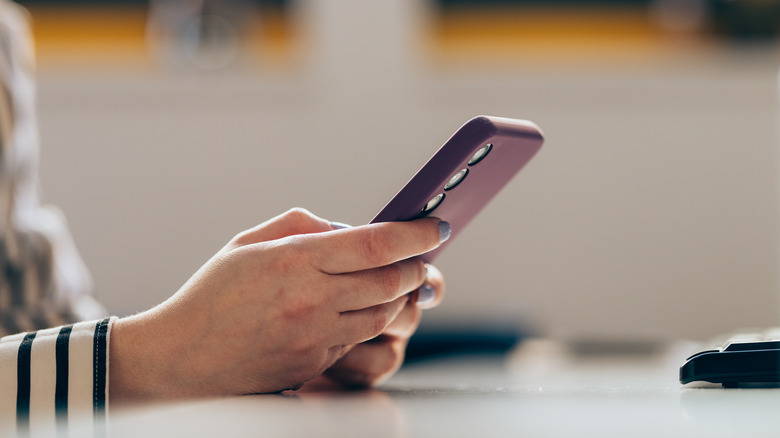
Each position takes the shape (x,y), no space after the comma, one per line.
(537,391)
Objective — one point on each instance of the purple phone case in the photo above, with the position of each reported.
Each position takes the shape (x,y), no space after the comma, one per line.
(514,143)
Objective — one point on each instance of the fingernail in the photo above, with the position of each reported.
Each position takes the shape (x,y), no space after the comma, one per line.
(425,295)
(339,225)
(444,231)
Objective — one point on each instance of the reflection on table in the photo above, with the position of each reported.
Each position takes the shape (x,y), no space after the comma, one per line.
(538,390)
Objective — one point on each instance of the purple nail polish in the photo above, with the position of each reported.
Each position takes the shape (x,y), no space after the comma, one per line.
(425,295)
(444,231)
(339,225)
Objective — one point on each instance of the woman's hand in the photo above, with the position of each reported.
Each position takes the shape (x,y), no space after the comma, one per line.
(371,362)
(276,307)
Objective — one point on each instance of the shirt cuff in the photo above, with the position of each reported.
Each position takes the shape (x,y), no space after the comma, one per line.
(55,379)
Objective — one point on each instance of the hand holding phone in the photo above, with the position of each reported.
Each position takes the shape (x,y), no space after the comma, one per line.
(465,174)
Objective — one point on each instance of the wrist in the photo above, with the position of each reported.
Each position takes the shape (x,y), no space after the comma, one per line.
(136,360)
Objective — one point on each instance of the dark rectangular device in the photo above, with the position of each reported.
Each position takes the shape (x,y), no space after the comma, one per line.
(465,174)
(745,359)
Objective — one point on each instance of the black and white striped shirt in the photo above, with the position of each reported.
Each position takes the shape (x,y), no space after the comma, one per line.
(49,377)
(55,379)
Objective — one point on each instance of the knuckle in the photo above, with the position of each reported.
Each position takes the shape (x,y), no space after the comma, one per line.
(314,365)
(307,349)
(298,216)
(387,366)
(301,374)
(302,345)
(390,361)
(422,271)
(379,322)
(376,247)
(294,253)
(396,357)
(389,280)
(416,318)
(298,213)
(242,238)
(300,256)
(411,321)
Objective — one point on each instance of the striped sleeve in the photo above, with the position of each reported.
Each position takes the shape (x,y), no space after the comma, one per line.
(55,380)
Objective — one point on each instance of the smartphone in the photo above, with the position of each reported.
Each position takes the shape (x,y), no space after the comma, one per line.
(465,174)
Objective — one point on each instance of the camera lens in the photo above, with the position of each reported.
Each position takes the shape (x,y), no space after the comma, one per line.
(432,204)
(456,179)
(480,154)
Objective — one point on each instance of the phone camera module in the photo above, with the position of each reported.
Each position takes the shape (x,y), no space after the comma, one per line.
(456,179)
(432,204)
(480,154)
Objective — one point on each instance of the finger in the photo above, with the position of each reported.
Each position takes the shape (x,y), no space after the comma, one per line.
(369,363)
(335,353)
(362,289)
(292,222)
(374,245)
(359,326)
(430,294)
(405,324)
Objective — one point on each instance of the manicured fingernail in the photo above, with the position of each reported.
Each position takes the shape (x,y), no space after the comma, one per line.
(425,295)
(444,231)
(339,225)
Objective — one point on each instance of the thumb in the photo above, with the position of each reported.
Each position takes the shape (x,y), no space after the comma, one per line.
(292,222)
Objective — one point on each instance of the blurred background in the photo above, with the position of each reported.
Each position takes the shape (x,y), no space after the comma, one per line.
(651,213)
